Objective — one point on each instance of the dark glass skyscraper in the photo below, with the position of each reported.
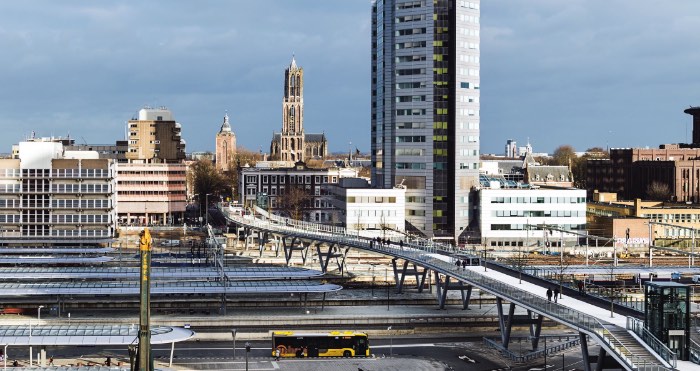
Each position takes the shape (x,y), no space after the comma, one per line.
(425,109)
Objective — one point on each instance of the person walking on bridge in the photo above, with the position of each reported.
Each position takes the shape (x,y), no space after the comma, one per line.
(458,264)
(556,294)
(549,294)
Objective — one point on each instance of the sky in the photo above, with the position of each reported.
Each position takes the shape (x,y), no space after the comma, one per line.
(613,73)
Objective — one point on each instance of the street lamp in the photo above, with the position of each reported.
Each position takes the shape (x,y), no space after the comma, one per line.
(39,312)
(233,333)
(391,342)
(206,207)
(247,350)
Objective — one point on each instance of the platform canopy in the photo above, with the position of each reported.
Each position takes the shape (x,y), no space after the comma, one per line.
(25,335)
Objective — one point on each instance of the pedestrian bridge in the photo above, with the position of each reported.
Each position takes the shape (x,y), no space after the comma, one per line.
(618,346)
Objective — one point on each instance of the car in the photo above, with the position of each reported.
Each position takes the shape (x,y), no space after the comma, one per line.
(170,243)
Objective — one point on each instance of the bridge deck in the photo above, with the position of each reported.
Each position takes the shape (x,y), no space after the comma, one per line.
(436,257)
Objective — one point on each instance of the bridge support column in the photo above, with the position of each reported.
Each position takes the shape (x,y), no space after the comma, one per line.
(584,351)
(262,241)
(505,323)
(400,275)
(443,287)
(334,251)
(295,244)
(535,328)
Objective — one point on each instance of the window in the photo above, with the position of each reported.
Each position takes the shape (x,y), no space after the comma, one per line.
(410,85)
(410,45)
(410,139)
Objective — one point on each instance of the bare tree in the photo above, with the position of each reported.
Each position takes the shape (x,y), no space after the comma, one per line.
(207,180)
(658,191)
(563,154)
(294,201)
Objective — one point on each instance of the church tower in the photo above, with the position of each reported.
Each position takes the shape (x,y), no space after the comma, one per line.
(225,146)
(292,136)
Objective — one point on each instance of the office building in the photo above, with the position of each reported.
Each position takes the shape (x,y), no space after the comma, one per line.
(50,196)
(425,110)
(668,173)
(154,136)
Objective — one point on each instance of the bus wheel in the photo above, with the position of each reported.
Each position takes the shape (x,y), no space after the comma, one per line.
(347,353)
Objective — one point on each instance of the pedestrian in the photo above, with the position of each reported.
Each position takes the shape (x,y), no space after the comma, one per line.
(15,363)
(549,294)
(580,287)
(458,263)
(464,264)
(51,361)
(401,244)
(277,354)
(556,294)
(371,244)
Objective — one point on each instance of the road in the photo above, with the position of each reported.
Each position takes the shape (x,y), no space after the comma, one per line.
(425,353)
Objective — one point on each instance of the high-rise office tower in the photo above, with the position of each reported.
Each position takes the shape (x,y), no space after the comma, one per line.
(425,109)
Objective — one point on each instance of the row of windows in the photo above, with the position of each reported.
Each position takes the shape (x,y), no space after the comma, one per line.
(370,199)
(410,18)
(410,58)
(410,71)
(538,213)
(410,5)
(466,165)
(72,218)
(468,152)
(410,85)
(152,172)
(469,139)
(410,98)
(410,165)
(409,152)
(410,112)
(469,85)
(419,199)
(410,139)
(370,213)
(468,4)
(469,58)
(468,72)
(293,179)
(538,200)
(469,99)
(411,31)
(468,45)
(468,112)
(80,188)
(410,125)
(468,31)
(521,227)
(469,125)
(469,18)
(410,45)
(672,217)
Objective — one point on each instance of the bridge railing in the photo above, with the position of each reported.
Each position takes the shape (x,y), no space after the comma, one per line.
(432,256)
(659,347)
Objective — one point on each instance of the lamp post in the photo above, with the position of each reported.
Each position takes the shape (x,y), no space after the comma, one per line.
(247,350)
(233,333)
(39,312)
(206,208)
(391,342)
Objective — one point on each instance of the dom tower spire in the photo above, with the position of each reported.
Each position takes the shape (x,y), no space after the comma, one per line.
(292,136)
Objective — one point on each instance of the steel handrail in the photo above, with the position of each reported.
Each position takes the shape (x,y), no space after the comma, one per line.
(657,345)
(417,249)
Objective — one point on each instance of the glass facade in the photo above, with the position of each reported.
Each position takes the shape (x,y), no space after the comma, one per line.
(425,108)
(667,315)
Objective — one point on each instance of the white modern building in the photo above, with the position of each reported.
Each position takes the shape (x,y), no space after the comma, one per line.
(359,207)
(52,196)
(505,213)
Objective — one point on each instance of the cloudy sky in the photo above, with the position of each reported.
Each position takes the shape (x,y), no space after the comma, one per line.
(582,72)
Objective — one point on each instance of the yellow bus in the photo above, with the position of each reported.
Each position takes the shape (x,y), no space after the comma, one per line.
(320,344)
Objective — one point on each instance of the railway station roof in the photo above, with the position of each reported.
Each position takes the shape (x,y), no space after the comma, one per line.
(132,273)
(25,335)
(43,260)
(55,250)
(160,288)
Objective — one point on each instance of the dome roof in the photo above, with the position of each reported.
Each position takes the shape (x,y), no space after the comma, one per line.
(226,126)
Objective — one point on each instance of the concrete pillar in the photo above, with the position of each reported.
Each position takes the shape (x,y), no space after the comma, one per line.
(42,357)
